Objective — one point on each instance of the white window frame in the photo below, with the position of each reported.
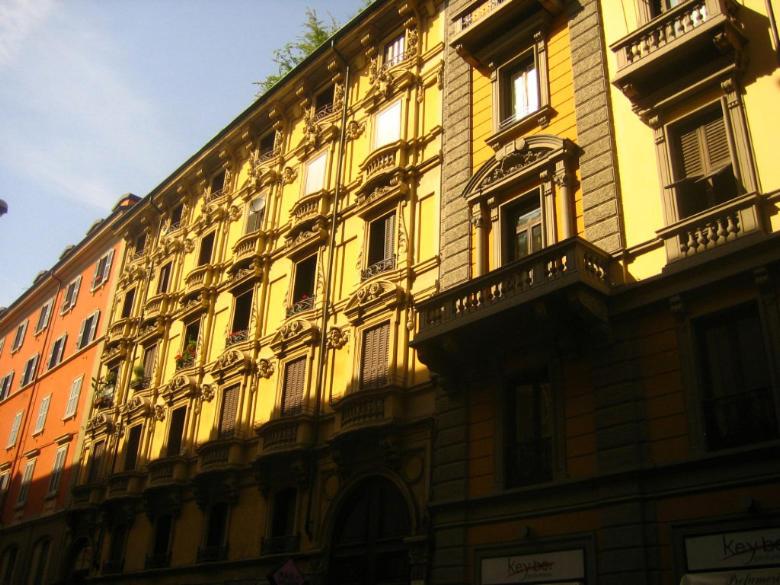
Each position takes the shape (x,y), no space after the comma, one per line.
(394,52)
(19,337)
(102,269)
(2,344)
(5,385)
(44,316)
(71,295)
(73,398)
(57,351)
(28,376)
(395,133)
(250,212)
(56,471)
(308,188)
(24,489)
(43,412)
(93,319)
(13,435)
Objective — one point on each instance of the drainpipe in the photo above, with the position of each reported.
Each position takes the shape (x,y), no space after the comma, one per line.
(327,289)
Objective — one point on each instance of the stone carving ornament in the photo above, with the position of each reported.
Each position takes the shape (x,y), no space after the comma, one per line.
(337,338)
(265,368)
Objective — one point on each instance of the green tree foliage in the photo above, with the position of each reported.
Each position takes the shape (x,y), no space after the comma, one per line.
(315,32)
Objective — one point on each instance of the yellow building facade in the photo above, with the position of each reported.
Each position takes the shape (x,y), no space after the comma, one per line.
(257,385)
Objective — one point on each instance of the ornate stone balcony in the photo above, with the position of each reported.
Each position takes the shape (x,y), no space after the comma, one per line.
(127,484)
(248,247)
(220,455)
(383,173)
(285,434)
(367,409)
(561,288)
(478,25)
(87,495)
(308,209)
(713,228)
(167,472)
(695,34)
(159,305)
(122,330)
(200,278)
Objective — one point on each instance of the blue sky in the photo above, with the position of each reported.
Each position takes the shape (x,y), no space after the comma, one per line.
(104,97)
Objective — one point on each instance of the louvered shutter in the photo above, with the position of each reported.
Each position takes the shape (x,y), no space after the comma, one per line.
(73,398)
(81,341)
(96,461)
(107,269)
(294,381)
(691,153)
(389,236)
(43,411)
(227,419)
(56,473)
(149,358)
(24,490)
(93,328)
(133,442)
(373,370)
(61,351)
(717,144)
(76,288)
(176,431)
(14,430)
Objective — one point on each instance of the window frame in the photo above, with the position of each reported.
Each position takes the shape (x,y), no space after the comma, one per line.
(19,337)
(390,61)
(250,214)
(43,413)
(325,157)
(93,319)
(71,296)
(506,212)
(30,372)
(129,294)
(298,407)
(44,317)
(24,487)
(201,262)
(57,468)
(57,351)
(301,300)
(166,270)
(72,405)
(13,434)
(375,144)
(6,382)
(100,277)
(381,380)
(227,426)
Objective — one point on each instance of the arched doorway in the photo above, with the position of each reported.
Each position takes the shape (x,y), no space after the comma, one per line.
(368,546)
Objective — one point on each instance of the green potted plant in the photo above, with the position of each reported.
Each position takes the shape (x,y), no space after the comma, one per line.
(139,377)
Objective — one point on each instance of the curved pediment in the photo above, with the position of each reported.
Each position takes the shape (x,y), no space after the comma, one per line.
(181,384)
(372,297)
(517,160)
(233,360)
(294,333)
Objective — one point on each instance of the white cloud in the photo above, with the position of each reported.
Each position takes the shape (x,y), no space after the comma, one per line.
(18,19)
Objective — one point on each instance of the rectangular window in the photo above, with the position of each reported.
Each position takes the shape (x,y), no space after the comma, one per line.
(323,101)
(227,416)
(381,233)
(174,221)
(522,227)
(206,249)
(703,169)
(44,316)
(176,431)
(57,351)
(395,50)
(192,335)
(315,174)
(218,184)
(305,277)
(19,337)
(530,416)
(163,528)
(520,90)
(242,313)
(283,519)
(294,384)
(71,294)
(267,145)
(217,525)
(29,371)
(56,472)
(150,357)
(73,397)
(127,304)
(132,446)
(5,385)
(737,402)
(14,430)
(164,278)
(88,330)
(43,411)
(24,490)
(373,362)
(255,213)
(139,245)
(102,269)
(387,125)
(658,7)
(95,471)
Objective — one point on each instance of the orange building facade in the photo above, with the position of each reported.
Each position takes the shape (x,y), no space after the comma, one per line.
(50,344)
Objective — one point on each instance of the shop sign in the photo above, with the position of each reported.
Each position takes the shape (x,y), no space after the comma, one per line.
(733,550)
(749,577)
(555,568)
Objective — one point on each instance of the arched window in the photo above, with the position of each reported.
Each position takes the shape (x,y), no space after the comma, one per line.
(368,546)
(39,562)
(8,563)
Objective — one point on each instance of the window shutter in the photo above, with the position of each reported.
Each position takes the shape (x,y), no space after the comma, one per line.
(107,269)
(76,291)
(96,461)
(133,442)
(43,411)
(294,381)
(33,363)
(26,480)
(388,125)
(61,352)
(227,419)
(93,328)
(315,174)
(373,369)
(150,356)
(691,154)
(73,398)
(389,236)
(176,431)
(14,430)
(56,473)
(717,143)
(81,342)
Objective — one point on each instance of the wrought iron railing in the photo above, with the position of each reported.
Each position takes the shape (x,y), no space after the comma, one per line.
(378,267)
(236,337)
(300,306)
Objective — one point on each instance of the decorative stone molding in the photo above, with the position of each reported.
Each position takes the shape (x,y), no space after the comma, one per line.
(232,361)
(337,338)
(101,422)
(207,392)
(159,412)
(181,385)
(289,174)
(294,333)
(355,129)
(136,406)
(371,298)
(265,368)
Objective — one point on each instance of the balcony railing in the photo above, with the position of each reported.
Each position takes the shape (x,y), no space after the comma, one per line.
(199,277)
(712,228)
(246,246)
(482,11)
(269,154)
(274,545)
(157,305)
(378,267)
(569,262)
(214,194)
(301,306)
(167,471)
(211,554)
(236,337)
